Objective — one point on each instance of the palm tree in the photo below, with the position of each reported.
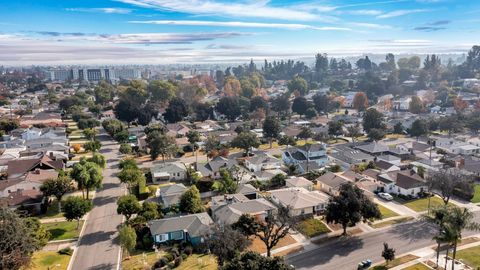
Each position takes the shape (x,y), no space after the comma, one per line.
(457,220)
(446,236)
(437,217)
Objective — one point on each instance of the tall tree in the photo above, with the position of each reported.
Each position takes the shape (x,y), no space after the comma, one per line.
(445,182)
(274,228)
(281,104)
(226,243)
(360,101)
(419,128)
(131,177)
(162,91)
(373,119)
(128,206)
(177,110)
(230,107)
(300,105)
(75,208)
(88,176)
(57,187)
(161,145)
(388,253)
(246,141)
(349,207)
(271,129)
(226,184)
(353,131)
(127,238)
(298,84)
(190,201)
(416,105)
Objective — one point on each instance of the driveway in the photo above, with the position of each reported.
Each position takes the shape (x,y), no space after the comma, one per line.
(98,247)
(400,209)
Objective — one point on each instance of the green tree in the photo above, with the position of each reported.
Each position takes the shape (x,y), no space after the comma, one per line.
(98,159)
(193,137)
(376,134)
(416,105)
(177,110)
(310,113)
(335,128)
(230,107)
(128,206)
(93,146)
(88,175)
(161,144)
(373,119)
(251,260)
(398,128)
(90,133)
(287,140)
(38,232)
(57,187)
(305,133)
(247,225)
(125,148)
(150,210)
(245,141)
(131,176)
(190,201)
(353,131)
(271,129)
(419,128)
(350,207)
(388,253)
(75,208)
(438,218)
(300,105)
(127,238)
(162,91)
(104,93)
(226,184)
(298,84)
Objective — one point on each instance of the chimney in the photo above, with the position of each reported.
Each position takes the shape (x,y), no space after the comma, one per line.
(51,156)
(37,171)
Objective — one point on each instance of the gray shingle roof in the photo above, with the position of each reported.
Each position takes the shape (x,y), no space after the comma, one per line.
(195,224)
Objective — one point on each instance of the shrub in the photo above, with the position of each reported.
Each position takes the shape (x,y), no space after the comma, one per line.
(184,256)
(152,190)
(66,251)
(188,250)
(169,257)
(125,148)
(171,265)
(161,262)
(178,261)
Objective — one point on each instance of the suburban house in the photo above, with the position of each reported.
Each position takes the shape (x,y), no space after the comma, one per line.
(300,181)
(230,210)
(193,229)
(386,166)
(213,167)
(30,199)
(315,153)
(261,162)
(21,166)
(170,195)
(346,156)
(170,171)
(177,130)
(300,201)
(407,183)
(331,182)
(374,148)
(32,181)
(248,190)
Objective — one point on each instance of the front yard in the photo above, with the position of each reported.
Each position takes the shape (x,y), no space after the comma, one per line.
(396,262)
(421,205)
(312,227)
(418,266)
(46,260)
(199,261)
(258,246)
(476,196)
(470,256)
(145,260)
(63,230)
(386,213)
(139,260)
(391,222)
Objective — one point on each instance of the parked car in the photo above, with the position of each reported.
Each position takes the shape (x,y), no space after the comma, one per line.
(385,196)
(364,264)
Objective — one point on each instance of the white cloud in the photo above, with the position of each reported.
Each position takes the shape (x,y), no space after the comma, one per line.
(368,12)
(289,26)
(371,25)
(256,9)
(401,12)
(107,10)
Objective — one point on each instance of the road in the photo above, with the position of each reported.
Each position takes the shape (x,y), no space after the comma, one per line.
(98,248)
(346,253)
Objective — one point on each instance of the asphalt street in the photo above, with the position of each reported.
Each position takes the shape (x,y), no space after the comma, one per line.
(346,253)
(98,247)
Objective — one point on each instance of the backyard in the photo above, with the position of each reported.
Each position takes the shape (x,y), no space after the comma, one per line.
(63,230)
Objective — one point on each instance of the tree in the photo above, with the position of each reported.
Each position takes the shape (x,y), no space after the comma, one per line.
(127,238)
(376,134)
(93,146)
(251,260)
(353,131)
(230,107)
(274,228)
(298,84)
(212,143)
(76,147)
(88,123)
(310,113)
(416,105)
(305,133)
(57,187)
(245,141)
(226,184)
(90,133)
(38,233)
(335,128)
(373,119)
(445,182)
(398,128)
(321,102)
(281,104)
(246,224)
(98,159)
(226,243)
(177,109)
(271,129)
(128,206)
(193,137)
(16,245)
(75,208)
(388,253)
(88,175)
(190,201)
(104,93)
(349,207)
(287,140)
(419,128)
(360,101)
(438,217)
(258,102)
(125,148)
(161,144)
(131,176)
(300,105)
(149,211)
(162,91)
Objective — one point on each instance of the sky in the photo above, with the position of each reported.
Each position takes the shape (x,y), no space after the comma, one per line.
(94,32)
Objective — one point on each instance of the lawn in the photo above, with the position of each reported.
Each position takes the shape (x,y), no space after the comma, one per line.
(43,260)
(63,230)
(476,196)
(386,213)
(391,222)
(197,262)
(140,259)
(396,262)
(421,205)
(470,256)
(52,211)
(418,266)
(312,227)
(257,245)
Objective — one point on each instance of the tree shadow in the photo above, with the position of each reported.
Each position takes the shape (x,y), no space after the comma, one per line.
(93,238)
(414,231)
(101,201)
(103,266)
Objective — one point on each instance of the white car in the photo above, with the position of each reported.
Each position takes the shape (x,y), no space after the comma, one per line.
(385,196)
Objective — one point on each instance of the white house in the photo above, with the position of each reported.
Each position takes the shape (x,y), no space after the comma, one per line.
(262,162)
(170,171)
(316,153)
(300,201)
(407,183)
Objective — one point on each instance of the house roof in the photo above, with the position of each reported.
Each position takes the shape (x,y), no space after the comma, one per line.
(409,179)
(298,198)
(373,148)
(23,197)
(41,175)
(384,165)
(216,164)
(168,167)
(299,181)
(195,224)
(263,158)
(312,147)
(230,213)
(170,195)
(246,189)
(332,180)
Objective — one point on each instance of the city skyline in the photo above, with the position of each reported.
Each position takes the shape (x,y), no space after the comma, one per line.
(199,31)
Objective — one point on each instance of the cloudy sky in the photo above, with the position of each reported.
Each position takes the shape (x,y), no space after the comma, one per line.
(208,31)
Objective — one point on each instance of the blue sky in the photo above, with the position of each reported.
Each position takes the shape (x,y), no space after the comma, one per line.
(209,31)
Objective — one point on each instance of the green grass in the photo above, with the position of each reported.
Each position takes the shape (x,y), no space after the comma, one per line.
(386,213)
(63,230)
(52,211)
(396,262)
(470,256)
(46,260)
(312,227)
(421,205)
(418,266)
(197,262)
(391,222)
(476,196)
(139,259)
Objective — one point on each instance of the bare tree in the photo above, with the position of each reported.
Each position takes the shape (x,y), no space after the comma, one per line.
(446,181)
(274,228)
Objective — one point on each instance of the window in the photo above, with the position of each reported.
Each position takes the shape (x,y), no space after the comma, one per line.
(161,237)
(178,235)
